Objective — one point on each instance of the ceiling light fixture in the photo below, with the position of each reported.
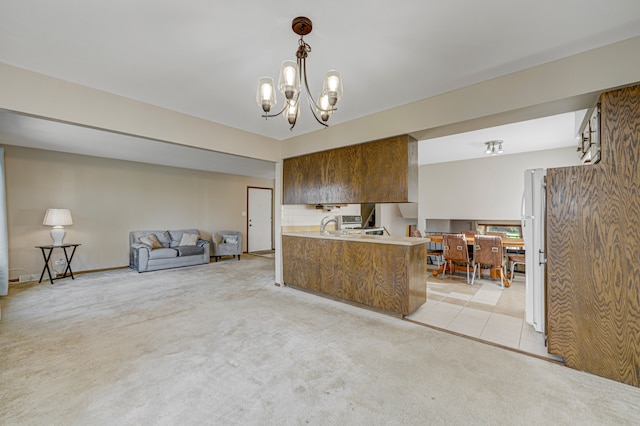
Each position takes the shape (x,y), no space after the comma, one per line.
(291,74)
(493,147)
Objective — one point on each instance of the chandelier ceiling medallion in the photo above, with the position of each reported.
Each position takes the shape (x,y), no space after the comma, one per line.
(493,147)
(292,74)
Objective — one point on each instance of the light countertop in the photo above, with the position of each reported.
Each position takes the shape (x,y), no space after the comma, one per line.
(377,239)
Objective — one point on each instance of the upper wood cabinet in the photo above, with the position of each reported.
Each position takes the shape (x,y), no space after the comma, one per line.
(382,171)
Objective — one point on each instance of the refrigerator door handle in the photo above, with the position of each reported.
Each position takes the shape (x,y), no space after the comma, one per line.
(542,260)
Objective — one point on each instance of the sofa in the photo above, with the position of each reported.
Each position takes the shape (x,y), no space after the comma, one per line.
(226,243)
(154,250)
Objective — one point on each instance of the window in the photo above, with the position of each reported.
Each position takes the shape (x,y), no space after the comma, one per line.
(512,231)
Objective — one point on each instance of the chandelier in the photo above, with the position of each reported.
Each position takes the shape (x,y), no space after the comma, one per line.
(292,74)
(493,147)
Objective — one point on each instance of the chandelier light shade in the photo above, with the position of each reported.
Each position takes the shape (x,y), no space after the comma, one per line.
(332,87)
(493,147)
(58,218)
(293,76)
(266,96)
(289,82)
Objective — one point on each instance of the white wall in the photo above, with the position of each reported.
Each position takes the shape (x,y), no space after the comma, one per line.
(108,199)
(44,96)
(389,216)
(564,85)
(482,189)
(302,217)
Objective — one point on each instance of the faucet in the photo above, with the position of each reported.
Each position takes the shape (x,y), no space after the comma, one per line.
(324,222)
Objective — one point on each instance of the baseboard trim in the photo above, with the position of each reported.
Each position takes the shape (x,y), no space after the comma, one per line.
(88,271)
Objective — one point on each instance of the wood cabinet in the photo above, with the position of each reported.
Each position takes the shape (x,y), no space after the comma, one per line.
(383,171)
(384,276)
(593,241)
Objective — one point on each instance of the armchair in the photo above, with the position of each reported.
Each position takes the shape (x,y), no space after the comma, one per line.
(226,243)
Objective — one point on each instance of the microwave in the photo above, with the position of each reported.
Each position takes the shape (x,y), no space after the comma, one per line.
(348,221)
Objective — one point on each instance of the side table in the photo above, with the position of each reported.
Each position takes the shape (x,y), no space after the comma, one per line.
(47,257)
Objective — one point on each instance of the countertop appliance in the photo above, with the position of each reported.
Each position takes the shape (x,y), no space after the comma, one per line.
(353,223)
(348,222)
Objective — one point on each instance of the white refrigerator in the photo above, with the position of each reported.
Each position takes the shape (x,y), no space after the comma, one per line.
(533,232)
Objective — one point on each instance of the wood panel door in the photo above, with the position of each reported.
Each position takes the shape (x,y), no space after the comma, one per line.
(593,246)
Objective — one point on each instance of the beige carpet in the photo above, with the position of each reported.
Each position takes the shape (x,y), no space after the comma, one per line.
(220,344)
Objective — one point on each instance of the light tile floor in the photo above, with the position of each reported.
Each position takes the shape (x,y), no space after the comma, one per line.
(484,311)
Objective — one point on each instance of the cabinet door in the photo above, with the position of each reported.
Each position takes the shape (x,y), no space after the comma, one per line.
(302,180)
(374,172)
(386,168)
(342,174)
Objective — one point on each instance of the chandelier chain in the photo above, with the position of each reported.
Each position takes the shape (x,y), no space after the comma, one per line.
(303,49)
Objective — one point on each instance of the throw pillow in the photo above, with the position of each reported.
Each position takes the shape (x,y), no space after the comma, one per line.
(151,240)
(230,239)
(189,239)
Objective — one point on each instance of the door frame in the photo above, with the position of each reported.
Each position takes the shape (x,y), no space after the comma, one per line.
(248,214)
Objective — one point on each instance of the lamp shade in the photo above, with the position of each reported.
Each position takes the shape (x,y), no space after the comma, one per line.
(289,82)
(57,217)
(266,96)
(332,86)
(291,112)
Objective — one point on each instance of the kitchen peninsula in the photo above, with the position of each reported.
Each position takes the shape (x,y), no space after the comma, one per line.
(384,273)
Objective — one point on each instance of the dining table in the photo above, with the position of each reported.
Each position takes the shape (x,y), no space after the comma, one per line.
(507,243)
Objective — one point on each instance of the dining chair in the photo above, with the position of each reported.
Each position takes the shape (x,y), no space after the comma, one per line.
(470,233)
(454,249)
(515,259)
(488,251)
(430,253)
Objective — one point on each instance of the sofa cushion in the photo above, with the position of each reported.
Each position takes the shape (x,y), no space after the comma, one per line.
(151,240)
(189,250)
(163,253)
(176,236)
(164,238)
(188,239)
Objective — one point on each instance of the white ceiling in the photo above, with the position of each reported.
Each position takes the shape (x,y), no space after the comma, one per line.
(557,131)
(204,58)
(31,132)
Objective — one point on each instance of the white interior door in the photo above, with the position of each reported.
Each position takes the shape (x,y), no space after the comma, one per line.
(259,226)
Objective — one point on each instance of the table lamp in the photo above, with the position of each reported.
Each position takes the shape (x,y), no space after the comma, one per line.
(58,218)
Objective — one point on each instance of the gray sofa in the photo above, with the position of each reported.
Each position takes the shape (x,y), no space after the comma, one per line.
(143,257)
(226,243)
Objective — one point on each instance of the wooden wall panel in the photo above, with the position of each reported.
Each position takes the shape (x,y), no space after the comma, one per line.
(593,250)
(379,171)
(417,277)
(384,276)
